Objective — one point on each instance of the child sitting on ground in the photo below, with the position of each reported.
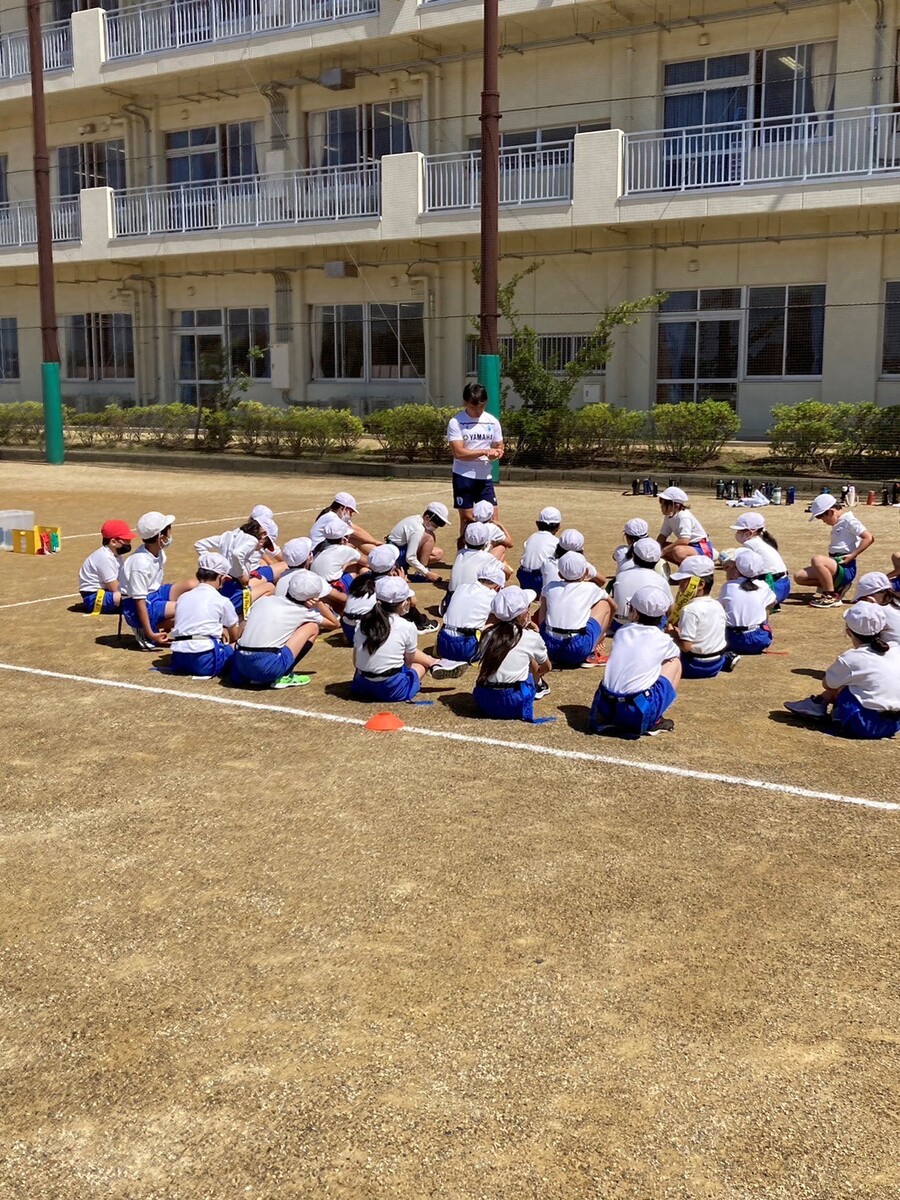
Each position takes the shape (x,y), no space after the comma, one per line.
(574,613)
(751,532)
(571,541)
(698,621)
(280,631)
(98,579)
(832,573)
(148,604)
(513,658)
(539,549)
(342,508)
(468,613)
(499,537)
(641,573)
(414,537)
(206,623)
(472,556)
(679,522)
(635,529)
(747,600)
(337,561)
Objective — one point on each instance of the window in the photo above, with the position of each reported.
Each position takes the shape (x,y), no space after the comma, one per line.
(9,348)
(785,330)
(890,355)
(91,164)
(4,182)
(213,152)
(214,343)
(544,139)
(99,346)
(361,133)
(369,341)
(554,350)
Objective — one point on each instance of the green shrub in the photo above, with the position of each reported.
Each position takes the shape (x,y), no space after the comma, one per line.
(22,423)
(805,433)
(694,433)
(603,431)
(217,429)
(408,430)
(320,431)
(250,423)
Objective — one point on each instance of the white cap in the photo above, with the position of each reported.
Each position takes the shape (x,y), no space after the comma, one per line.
(260,511)
(335,530)
(483,510)
(871,583)
(647,549)
(477,534)
(696,566)
(346,501)
(749,564)
(675,494)
(439,510)
(296,551)
(151,524)
(572,539)
(550,516)
(821,505)
(751,520)
(572,566)
(210,561)
(651,601)
(637,527)
(270,529)
(392,589)
(492,571)
(511,602)
(383,558)
(865,619)
(307,585)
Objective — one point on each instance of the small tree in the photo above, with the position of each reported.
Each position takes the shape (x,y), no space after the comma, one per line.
(545,388)
(694,433)
(230,383)
(805,433)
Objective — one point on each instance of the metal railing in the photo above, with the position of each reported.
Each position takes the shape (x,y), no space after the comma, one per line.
(151,28)
(319,194)
(18,222)
(14,59)
(850,142)
(528,175)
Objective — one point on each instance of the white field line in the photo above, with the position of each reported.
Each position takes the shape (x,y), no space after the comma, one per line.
(471,739)
(42,600)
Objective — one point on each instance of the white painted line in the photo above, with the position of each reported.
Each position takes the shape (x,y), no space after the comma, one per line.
(42,600)
(470,739)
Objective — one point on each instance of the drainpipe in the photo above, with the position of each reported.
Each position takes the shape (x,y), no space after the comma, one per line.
(153,289)
(434,348)
(878,66)
(140,114)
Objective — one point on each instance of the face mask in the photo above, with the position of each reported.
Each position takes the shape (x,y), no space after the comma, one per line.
(165,542)
(124,549)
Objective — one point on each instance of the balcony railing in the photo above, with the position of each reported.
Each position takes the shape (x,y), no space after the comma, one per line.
(151,28)
(528,175)
(18,222)
(14,60)
(848,143)
(321,194)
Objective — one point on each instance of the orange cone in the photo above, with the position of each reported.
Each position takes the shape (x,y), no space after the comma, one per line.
(384,723)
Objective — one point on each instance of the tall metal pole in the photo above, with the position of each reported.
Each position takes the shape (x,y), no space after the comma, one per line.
(53,424)
(488,358)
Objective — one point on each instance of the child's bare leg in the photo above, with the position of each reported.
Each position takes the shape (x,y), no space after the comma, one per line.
(677,553)
(499,552)
(671,670)
(602,613)
(302,639)
(362,539)
(825,570)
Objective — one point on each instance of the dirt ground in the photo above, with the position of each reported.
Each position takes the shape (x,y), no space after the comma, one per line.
(248,951)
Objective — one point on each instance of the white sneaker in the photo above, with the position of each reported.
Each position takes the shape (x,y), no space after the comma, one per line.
(810,707)
(448,669)
(542,690)
(144,642)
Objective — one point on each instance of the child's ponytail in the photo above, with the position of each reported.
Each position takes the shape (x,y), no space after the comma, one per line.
(768,539)
(875,640)
(376,625)
(749,585)
(495,646)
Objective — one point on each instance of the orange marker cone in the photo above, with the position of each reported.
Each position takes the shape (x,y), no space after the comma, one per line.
(384,723)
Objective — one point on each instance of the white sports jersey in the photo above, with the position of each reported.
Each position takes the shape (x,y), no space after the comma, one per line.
(702,622)
(409,533)
(465,566)
(746,609)
(770,556)
(476,433)
(203,611)
(684,525)
(874,679)
(569,604)
(517,664)
(271,621)
(846,534)
(638,652)
(891,631)
(142,573)
(628,582)
(98,569)
(333,560)
(392,654)
(538,549)
(469,607)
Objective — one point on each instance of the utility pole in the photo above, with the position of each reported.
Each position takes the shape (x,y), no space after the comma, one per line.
(53,424)
(488,357)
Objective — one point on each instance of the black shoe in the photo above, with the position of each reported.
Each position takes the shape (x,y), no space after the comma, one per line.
(542,690)
(663,725)
(428,626)
(731,661)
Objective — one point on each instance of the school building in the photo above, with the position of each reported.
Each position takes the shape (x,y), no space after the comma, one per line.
(303,176)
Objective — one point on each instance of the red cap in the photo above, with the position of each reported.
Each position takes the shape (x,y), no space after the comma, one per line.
(117,529)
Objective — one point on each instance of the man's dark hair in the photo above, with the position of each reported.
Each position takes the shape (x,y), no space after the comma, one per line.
(475,393)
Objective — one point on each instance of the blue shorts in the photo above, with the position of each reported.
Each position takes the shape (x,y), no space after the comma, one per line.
(261,668)
(467,492)
(156,608)
(513,703)
(752,642)
(349,631)
(693,667)
(234,590)
(458,647)
(265,572)
(209,663)
(531,580)
(572,651)
(108,604)
(636,713)
(854,721)
(393,688)
(781,587)
(704,548)
(845,575)
(895,584)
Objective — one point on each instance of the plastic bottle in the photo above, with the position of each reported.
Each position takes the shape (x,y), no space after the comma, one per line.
(655,488)
(870,499)
(648,487)
(885,497)
(851,496)
(720,489)
(791,495)
(776,494)
(635,487)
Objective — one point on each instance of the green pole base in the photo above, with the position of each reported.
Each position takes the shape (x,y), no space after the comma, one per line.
(54,444)
(489,378)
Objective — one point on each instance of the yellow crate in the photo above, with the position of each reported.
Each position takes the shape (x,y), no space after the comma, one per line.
(28,541)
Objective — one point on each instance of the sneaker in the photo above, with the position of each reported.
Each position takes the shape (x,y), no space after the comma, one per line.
(663,725)
(812,706)
(287,681)
(448,669)
(827,600)
(731,660)
(542,690)
(144,642)
(596,658)
(428,626)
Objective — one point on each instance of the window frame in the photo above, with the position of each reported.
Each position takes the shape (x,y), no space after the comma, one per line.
(259,370)
(100,332)
(507,343)
(370,312)
(92,165)
(884,372)
(223,146)
(9,350)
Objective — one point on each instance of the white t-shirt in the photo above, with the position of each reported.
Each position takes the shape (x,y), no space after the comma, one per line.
(357,607)
(271,621)
(281,583)
(628,582)
(638,652)
(99,568)
(702,622)
(550,571)
(748,609)
(393,652)
(409,533)
(142,573)
(517,664)
(846,534)
(770,556)
(203,611)
(475,433)
(469,607)
(628,564)
(466,565)
(495,533)
(684,525)
(539,548)
(569,604)
(874,679)
(241,549)
(891,631)
(331,562)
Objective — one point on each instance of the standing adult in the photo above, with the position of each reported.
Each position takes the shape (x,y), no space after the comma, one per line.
(476,442)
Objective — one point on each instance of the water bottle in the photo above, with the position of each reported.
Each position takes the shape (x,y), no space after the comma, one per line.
(870,499)
(845,493)
(885,497)
(720,489)
(896,494)
(648,487)
(851,496)
(655,488)
(776,494)
(732,489)
(792,495)
(748,488)
(635,487)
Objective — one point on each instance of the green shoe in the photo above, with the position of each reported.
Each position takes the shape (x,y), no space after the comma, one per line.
(287,681)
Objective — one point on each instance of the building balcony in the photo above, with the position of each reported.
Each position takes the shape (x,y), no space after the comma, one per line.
(18,222)
(528,175)
(14,58)
(159,27)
